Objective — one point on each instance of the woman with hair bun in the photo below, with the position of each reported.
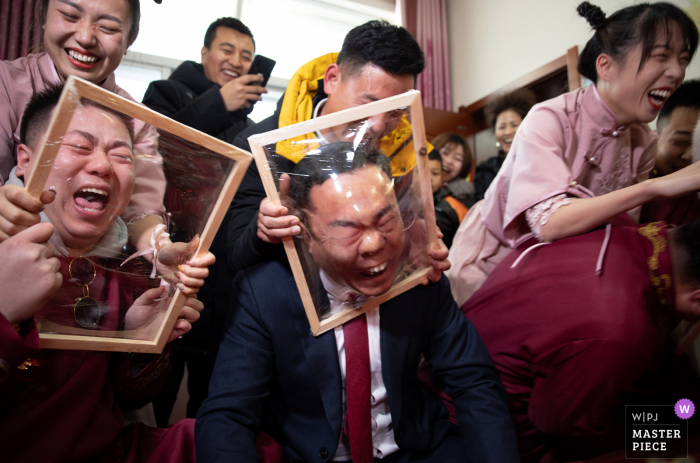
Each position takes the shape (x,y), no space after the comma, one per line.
(583,158)
(504,115)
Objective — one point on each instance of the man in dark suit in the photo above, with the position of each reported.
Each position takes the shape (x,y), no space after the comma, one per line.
(352,393)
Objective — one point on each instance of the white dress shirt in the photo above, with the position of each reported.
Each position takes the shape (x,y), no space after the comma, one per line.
(382,428)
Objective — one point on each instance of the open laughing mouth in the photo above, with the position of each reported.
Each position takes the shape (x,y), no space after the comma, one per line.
(658,97)
(231,74)
(91,199)
(376,271)
(83,59)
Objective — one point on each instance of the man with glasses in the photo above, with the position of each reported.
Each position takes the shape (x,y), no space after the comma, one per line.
(59,405)
(352,393)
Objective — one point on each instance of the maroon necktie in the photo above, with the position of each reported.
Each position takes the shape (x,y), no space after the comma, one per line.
(357,385)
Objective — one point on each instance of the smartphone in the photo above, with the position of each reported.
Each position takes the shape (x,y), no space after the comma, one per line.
(262,65)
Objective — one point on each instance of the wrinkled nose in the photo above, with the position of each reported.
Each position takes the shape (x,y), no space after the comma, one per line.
(99,164)
(84,34)
(372,242)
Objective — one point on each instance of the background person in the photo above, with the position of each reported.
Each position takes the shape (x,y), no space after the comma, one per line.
(676,122)
(216,96)
(456,164)
(504,114)
(448,211)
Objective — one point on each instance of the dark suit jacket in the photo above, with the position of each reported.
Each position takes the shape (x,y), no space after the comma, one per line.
(273,374)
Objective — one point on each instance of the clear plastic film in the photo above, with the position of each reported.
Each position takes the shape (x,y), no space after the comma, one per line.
(358,192)
(115,285)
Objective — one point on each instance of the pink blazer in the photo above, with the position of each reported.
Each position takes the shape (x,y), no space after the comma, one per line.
(23,77)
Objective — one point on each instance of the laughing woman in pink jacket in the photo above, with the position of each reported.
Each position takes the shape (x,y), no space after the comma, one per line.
(86,39)
(583,158)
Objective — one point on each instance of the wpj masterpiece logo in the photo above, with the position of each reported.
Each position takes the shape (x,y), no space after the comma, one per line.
(657,430)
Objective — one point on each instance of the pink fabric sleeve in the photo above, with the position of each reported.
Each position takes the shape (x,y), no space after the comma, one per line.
(149,187)
(536,169)
(9,119)
(538,215)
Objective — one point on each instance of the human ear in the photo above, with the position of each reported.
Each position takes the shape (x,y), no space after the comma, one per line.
(23,154)
(203,54)
(604,66)
(331,79)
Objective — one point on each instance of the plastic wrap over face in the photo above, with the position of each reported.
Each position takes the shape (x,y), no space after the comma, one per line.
(357,191)
(110,289)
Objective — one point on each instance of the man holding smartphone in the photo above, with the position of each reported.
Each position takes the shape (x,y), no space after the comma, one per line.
(216,98)
(217,95)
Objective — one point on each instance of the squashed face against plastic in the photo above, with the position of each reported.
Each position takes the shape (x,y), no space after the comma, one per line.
(92,175)
(86,38)
(356,231)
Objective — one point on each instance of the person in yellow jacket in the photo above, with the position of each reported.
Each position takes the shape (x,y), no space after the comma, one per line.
(377,61)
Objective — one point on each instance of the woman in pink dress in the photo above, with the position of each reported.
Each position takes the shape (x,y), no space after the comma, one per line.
(584,157)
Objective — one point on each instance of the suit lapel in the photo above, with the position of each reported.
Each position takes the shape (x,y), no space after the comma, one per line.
(321,355)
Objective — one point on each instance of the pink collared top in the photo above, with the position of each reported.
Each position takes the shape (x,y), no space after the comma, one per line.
(21,78)
(570,145)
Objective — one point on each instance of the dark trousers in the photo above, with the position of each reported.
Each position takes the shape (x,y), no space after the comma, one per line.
(450,450)
(199,371)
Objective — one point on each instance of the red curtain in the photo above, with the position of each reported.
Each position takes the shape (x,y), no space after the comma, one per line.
(20,33)
(427,21)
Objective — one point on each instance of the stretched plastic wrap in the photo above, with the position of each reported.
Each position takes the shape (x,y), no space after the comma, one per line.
(358,181)
(122,292)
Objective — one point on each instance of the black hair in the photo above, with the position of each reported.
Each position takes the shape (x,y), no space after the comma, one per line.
(686,96)
(641,24)
(231,23)
(689,237)
(390,47)
(446,138)
(331,160)
(520,101)
(134,16)
(37,114)
(434,155)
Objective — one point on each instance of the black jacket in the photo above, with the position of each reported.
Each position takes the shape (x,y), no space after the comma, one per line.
(245,249)
(191,99)
(485,173)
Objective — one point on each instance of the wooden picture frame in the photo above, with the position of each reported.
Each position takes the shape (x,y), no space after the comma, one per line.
(410,100)
(73,91)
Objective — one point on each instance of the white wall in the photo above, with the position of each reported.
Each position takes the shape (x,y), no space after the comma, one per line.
(494,42)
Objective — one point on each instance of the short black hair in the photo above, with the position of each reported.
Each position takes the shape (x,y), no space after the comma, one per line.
(623,30)
(686,96)
(331,160)
(231,23)
(434,155)
(37,114)
(134,14)
(390,47)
